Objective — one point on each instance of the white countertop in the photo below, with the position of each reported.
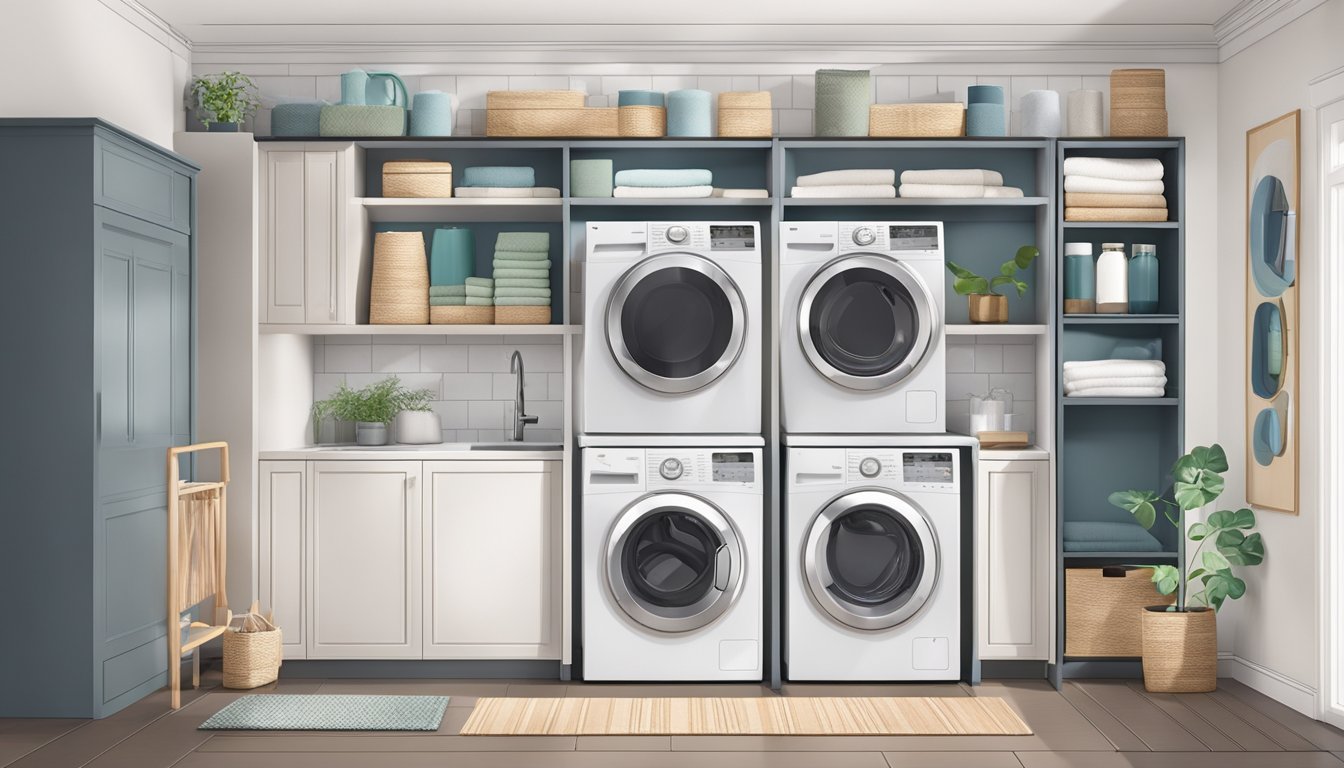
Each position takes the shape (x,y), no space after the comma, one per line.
(434,452)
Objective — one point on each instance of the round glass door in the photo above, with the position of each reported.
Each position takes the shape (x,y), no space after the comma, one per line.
(676,322)
(866,321)
(871,559)
(674,562)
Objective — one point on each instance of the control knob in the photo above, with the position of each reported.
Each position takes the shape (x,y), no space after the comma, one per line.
(864,236)
(670,469)
(677,234)
(870,467)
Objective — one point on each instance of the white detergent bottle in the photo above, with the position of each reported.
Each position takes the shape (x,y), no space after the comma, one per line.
(1112,280)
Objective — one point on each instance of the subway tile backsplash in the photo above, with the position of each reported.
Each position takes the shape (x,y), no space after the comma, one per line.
(975,366)
(469,376)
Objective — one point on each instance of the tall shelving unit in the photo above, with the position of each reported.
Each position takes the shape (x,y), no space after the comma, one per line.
(1110,444)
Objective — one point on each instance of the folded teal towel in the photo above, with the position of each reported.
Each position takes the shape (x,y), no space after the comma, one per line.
(537,265)
(498,176)
(447,301)
(447,290)
(523,241)
(478,292)
(522,255)
(480,282)
(1105,536)
(521,301)
(530,274)
(522,282)
(536,293)
(664,177)
(480,301)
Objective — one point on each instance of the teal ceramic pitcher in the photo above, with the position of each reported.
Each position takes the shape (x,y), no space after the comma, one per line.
(384,89)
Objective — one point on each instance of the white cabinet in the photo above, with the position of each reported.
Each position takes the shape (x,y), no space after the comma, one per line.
(492,559)
(364,575)
(1014,559)
(283,486)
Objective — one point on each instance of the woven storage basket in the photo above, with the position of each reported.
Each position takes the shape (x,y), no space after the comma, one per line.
(600,122)
(916,120)
(1148,97)
(522,315)
(535,100)
(399,291)
(359,120)
(417,178)
(461,315)
(640,120)
(745,114)
(252,659)
(1180,651)
(1138,122)
(1102,612)
(1138,78)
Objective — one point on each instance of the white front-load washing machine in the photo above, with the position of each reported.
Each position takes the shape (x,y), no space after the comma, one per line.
(873,561)
(672,550)
(672,337)
(861,339)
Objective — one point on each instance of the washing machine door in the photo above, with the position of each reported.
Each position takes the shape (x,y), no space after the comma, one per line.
(674,562)
(870,559)
(866,321)
(676,322)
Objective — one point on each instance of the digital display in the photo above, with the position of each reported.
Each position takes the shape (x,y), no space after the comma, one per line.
(912,237)
(927,468)
(732,236)
(733,467)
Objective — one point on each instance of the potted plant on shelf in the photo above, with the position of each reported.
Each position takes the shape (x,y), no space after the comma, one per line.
(416,423)
(1180,641)
(224,101)
(370,408)
(984,304)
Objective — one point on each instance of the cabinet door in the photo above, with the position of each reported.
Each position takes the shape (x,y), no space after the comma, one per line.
(492,560)
(283,276)
(321,245)
(282,489)
(1015,559)
(363,560)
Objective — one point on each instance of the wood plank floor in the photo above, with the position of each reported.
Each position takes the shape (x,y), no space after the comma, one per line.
(1091,724)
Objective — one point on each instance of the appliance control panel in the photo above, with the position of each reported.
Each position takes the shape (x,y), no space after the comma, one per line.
(891,237)
(918,470)
(664,237)
(673,467)
(732,237)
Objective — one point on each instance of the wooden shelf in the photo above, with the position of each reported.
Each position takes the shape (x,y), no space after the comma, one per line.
(421,330)
(426,209)
(1122,401)
(185,487)
(920,202)
(995,329)
(1122,319)
(199,634)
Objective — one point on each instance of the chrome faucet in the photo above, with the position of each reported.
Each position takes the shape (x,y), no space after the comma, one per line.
(520,419)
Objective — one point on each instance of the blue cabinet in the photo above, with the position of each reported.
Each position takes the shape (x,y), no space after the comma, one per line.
(96,262)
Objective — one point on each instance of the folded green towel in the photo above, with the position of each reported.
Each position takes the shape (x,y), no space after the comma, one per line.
(498,176)
(447,290)
(531,274)
(447,301)
(521,301)
(522,282)
(538,293)
(664,177)
(511,264)
(480,282)
(523,241)
(522,255)
(479,292)
(479,301)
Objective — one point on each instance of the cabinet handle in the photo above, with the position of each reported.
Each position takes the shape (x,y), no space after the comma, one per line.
(331,282)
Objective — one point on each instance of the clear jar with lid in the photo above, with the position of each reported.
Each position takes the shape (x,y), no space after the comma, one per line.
(1143,279)
(1112,280)
(1080,279)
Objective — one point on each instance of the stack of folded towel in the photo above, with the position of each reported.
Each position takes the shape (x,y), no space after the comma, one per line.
(956,182)
(502,181)
(448,295)
(854,182)
(664,182)
(480,292)
(1104,536)
(522,269)
(1115,378)
(1114,189)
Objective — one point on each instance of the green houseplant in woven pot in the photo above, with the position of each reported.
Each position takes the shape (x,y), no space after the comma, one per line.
(1180,641)
(370,408)
(984,304)
(222,102)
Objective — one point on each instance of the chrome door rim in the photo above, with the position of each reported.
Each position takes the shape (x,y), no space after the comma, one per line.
(715,601)
(929,322)
(616,336)
(817,572)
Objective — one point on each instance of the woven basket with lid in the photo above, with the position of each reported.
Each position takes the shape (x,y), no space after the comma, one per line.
(745,114)
(1138,78)
(417,178)
(917,120)
(399,291)
(535,100)
(1138,122)
(599,122)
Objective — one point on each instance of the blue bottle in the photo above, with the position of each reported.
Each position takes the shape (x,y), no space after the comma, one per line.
(1143,280)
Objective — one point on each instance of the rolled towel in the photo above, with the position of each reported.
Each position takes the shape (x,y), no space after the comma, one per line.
(1003,192)
(954,176)
(481,282)
(855,190)
(522,282)
(536,293)
(752,194)
(1071,387)
(663,192)
(470,192)
(531,274)
(1115,214)
(848,177)
(521,301)
(522,255)
(1112,186)
(523,241)
(1121,392)
(447,301)
(480,301)
(1097,200)
(479,292)
(511,264)
(498,176)
(1118,168)
(664,177)
(447,290)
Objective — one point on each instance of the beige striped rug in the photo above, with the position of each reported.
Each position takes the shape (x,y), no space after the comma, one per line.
(746,716)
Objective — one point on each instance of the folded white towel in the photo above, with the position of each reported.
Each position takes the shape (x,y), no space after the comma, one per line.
(957,190)
(1114,367)
(704,191)
(848,177)
(1084,385)
(507,192)
(954,176)
(1124,169)
(1003,192)
(852,190)
(741,193)
(1112,186)
(1121,392)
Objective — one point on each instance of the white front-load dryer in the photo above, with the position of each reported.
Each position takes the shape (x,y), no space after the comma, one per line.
(672,550)
(672,328)
(862,349)
(873,563)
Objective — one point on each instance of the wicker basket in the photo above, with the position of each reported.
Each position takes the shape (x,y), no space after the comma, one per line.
(1138,78)
(535,100)
(417,178)
(252,659)
(599,122)
(745,114)
(641,120)
(1138,122)
(916,120)
(399,291)
(1146,97)
(1180,651)
(461,315)
(1102,609)
(523,315)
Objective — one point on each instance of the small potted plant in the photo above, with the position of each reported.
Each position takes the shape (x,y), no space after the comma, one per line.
(1180,641)
(224,101)
(370,408)
(416,422)
(984,304)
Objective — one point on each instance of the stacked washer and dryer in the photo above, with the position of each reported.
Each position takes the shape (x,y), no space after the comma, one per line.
(672,514)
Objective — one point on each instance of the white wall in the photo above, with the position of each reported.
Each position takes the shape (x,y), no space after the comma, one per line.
(84,58)
(1275,626)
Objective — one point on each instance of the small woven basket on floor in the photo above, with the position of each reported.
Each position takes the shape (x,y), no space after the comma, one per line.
(417,178)
(916,120)
(745,114)
(522,315)
(642,120)
(461,315)
(1180,651)
(252,659)
(399,291)
(1138,122)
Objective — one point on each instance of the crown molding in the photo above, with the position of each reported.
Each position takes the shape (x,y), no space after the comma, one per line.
(151,24)
(1253,20)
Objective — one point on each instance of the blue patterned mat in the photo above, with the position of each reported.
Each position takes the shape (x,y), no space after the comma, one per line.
(284,712)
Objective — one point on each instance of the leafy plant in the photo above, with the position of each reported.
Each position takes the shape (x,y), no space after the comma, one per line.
(379,402)
(968,282)
(228,97)
(1198,482)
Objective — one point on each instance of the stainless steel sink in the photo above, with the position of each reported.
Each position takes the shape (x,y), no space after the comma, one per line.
(515,446)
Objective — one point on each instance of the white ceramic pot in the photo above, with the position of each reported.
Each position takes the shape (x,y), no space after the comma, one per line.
(418,428)
(370,433)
